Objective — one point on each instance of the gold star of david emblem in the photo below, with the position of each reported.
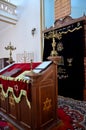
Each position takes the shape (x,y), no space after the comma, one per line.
(47,104)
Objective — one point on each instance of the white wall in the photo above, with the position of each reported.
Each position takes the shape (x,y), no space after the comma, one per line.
(20,34)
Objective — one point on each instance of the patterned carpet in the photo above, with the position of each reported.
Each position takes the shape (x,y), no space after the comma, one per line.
(73,113)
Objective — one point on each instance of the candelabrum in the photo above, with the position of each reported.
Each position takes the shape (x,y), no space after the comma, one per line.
(10,48)
(53,34)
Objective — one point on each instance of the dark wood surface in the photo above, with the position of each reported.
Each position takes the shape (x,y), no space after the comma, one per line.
(41,114)
(3,62)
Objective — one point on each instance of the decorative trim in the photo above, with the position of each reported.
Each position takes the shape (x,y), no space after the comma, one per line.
(8,12)
(47,104)
(17,99)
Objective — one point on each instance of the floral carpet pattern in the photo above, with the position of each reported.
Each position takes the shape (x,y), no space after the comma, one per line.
(72,111)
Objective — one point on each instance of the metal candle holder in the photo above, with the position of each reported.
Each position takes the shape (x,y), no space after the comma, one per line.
(10,48)
(53,34)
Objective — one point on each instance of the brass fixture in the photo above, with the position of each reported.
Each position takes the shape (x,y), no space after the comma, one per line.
(10,48)
(53,34)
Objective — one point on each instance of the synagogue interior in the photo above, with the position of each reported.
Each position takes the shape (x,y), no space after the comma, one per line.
(42,57)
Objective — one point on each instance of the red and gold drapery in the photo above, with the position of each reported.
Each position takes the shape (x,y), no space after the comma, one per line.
(14,84)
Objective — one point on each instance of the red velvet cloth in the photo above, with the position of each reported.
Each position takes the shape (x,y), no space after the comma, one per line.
(21,66)
(17,85)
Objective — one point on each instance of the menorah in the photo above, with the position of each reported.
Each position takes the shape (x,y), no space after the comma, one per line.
(10,48)
(62,73)
(53,34)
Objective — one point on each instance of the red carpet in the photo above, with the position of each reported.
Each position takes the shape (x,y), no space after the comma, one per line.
(66,120)
(72,115)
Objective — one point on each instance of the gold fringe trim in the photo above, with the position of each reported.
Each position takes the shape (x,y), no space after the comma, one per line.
(20,77)
(76,28)
(17,99)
